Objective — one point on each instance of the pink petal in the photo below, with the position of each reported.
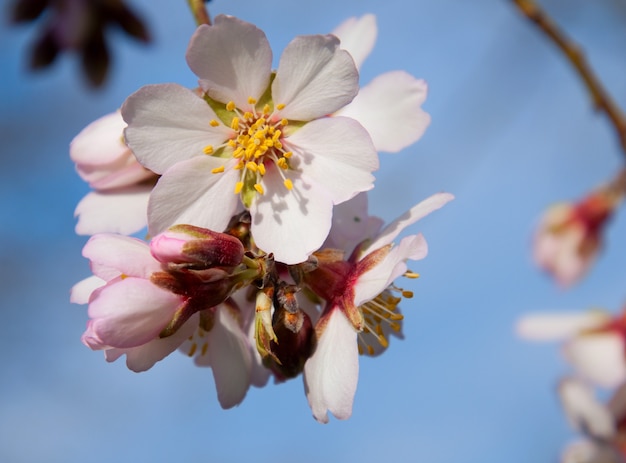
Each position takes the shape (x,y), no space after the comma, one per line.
(131,312)
(142,358)
(335,153)
(414,214)
(230,357)
(81,291)
(119,211)
(290,224)
(557,326)
(332,373)
(358,36)
(114,255)
(189,193)
(168,124)
(314,78)
(101,142)
(584,411)
(125,172)
(233,60)
(389,108)
(598,358)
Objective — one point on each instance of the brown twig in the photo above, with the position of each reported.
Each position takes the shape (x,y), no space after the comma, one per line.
(602,101)
(199,11)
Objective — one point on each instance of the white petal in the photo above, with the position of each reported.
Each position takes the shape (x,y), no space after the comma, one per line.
(230,357)
(131,312)
(167,124)
(371,283)
(314,78)
(100,143)
(290,224)
(584,411)
(113,255)
(233,60)
(389,108)
(414,214)
(336,153)
(189,193)
(557,326)
(81,291)
(358,36)
(599,358)
(144,357)
(591,451)
(331,374)
(351,224)
(120,211)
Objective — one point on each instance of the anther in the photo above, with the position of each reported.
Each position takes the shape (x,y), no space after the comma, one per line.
(213,123)
(235,123)
(261,168)
(230,106)
(259,188)
(288,184)
(208,149)
(410,274)
(280,106)
(251,100)
(251,166)
(238,187)
(217,170)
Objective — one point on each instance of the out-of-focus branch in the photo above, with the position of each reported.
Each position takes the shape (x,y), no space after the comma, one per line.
(199,11)
(602,101)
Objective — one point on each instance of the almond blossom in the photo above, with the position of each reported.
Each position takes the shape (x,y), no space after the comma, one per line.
(603,425)
(145,301)
(122,185)
(593,342)
(569,236)
(389,107)
(260,139)
(361,307)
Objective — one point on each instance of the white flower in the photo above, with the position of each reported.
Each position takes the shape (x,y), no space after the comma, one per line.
(260,136)
(593,342)
(360,308)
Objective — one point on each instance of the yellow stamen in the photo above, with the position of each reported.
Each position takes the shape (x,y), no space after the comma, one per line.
(280,106)
(230,106)
(238,187)
(284,122)
(251,100)
(217,170)
(410,274)
(261,168)
(192,350)
(214,123)
(407,294)
(251,166)
(235,123)
(288,184)
(232,143)
(282,163)
(208,149)
(259,188)
(248,116)
(266,109)
(288,154)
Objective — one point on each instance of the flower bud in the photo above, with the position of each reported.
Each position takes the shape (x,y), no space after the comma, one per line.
(187,244)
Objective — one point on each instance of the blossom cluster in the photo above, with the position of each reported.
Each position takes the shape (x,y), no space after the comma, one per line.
(594,342)
(263,260)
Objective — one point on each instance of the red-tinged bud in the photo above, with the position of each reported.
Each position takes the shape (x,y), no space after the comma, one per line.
(295,343)
(198,247)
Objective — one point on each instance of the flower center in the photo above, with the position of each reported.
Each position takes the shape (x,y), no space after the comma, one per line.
(256,144)
(381,318)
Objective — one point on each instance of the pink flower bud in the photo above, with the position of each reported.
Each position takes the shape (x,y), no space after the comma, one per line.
(187,244)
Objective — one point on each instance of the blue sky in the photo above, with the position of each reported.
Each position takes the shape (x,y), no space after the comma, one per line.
(512,131)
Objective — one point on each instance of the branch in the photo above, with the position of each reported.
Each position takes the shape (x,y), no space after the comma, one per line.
(602,101)
(199,11)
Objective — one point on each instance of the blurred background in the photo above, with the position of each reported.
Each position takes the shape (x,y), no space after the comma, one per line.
(512,132)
